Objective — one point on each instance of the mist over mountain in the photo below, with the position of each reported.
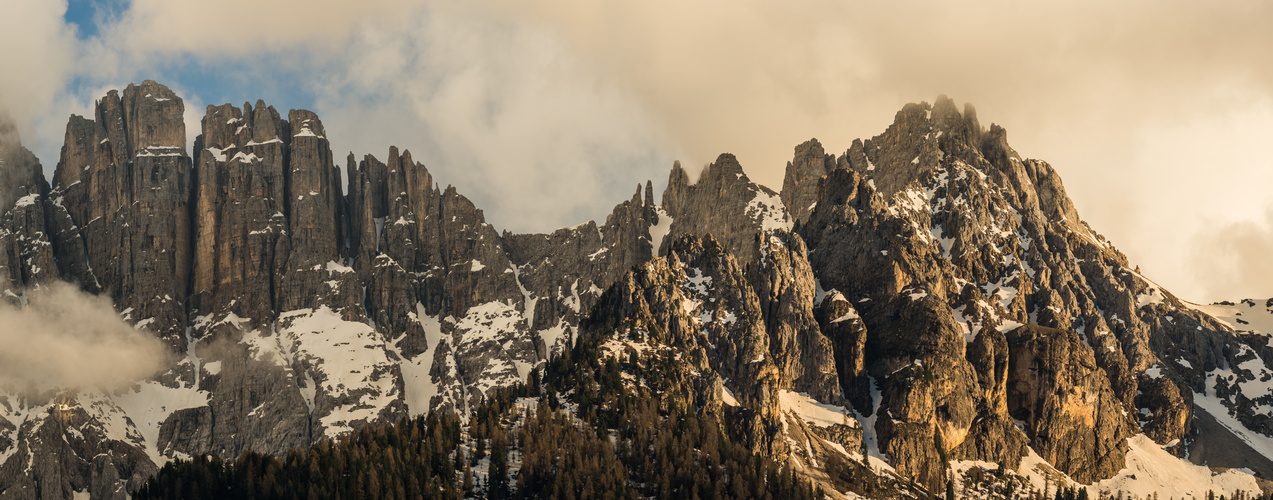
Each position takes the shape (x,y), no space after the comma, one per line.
(925,311)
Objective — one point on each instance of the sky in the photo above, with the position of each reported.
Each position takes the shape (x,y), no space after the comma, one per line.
(547,113)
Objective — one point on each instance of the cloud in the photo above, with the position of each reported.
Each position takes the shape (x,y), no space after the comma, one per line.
(1232,260)
(38,57)
(1183,181)
(65,338)
(498,107)
(756,78)
(231,28)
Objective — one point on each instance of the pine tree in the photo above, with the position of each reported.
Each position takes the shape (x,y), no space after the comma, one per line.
(499,468)
(467,486)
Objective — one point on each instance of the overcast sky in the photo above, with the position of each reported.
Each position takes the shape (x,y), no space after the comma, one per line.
(1156,114)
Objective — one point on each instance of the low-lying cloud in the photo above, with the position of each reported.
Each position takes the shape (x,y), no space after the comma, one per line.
(66,338)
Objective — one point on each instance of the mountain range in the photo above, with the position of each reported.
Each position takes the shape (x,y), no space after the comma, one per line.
(926,306)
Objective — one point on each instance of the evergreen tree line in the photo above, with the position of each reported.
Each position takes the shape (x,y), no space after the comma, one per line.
(410,459)
(620,442)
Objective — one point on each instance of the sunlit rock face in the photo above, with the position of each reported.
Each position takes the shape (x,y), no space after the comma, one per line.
(925,299)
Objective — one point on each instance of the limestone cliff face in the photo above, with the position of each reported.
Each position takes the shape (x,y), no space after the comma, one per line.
(125,180)
(242,241)
(272,300)
(928,296)
(786,289)
(1070,412)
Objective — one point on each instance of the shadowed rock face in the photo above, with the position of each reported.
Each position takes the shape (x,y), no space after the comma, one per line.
(20,172)
(786,289)
(929,280)
(698,301)
(25,249)
(54,442)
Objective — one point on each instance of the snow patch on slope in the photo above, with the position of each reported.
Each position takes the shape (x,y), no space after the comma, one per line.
(27,200)
(418,386)
(874,457)
(348,361)
(812,412)
(767,210)
(496,328)
(1150,470)
(1247,315)
(659,231)
(1213,405)
(148,405)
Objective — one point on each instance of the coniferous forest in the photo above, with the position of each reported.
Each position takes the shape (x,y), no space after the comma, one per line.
(522,442)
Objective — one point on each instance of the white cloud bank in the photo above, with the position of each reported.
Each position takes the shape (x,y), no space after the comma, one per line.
(65,338)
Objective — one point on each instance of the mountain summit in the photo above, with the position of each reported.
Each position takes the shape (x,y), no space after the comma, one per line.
(904,317)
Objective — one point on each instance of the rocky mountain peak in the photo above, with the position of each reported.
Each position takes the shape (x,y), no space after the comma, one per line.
(942,222)
(158,110)
(725,203)
(799,186)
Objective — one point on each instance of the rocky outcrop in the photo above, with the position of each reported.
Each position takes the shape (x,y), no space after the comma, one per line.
(70,443)
(239,269)
(1172,409)
(564,273)
(800,185)
(38,240)
(241,242)
(20,172)
(698,302)
(726,204)
(1070,413)
(441,285)
(842,326)
(943,211)
(786,289)
(273,307)
(752,222)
